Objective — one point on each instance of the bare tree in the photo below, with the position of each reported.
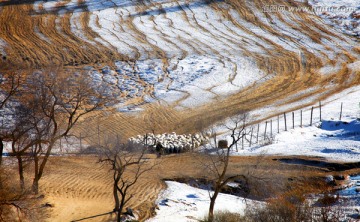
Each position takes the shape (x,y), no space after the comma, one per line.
(128,163)
(9,86)
(51,104)
(63,98)
(218,160)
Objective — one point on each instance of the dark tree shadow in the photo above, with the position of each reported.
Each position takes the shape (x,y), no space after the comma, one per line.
(98,5)
(19,2)
(94,216)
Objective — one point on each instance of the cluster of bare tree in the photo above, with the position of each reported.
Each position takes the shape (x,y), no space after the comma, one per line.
(218,157)
(128,162)
(41,108)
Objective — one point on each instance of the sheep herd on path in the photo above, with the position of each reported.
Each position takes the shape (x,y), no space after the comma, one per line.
(170,142)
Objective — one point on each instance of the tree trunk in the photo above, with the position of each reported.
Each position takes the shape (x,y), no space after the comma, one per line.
(1,150)
(35,185)
(116,198)
(21,172)
(212,205)
(121,207)
(118,216)
(1,153)
(117,177)
(41,167)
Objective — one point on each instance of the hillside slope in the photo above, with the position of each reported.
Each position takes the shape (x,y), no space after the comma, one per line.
(219,56)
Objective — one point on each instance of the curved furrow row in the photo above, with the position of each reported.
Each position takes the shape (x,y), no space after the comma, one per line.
(286,51)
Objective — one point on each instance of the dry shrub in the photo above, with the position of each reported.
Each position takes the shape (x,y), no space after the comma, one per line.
(328,200)
(16,205)
(293,205)
(225,216)
(280,210)
(8,193)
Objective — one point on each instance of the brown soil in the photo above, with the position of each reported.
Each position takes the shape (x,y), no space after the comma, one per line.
(78,187)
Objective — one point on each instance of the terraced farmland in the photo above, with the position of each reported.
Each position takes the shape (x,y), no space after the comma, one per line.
(175,65)
(189,62)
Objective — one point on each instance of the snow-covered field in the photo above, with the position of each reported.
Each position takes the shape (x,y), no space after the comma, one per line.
(191,53)
(344,14)
(330,138)
(181,202)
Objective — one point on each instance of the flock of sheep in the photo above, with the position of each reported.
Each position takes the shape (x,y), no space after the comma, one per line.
(170,142)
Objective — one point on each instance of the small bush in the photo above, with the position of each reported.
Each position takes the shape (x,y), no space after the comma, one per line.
(328,200)
(225,216)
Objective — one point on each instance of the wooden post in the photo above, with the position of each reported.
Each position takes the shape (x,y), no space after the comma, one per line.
(293,120)
(271,129)
(242,141)
(300,118)
(341,110)
(257,135)
(311,115)
(278,124)
(146,139)
(192,142)
(265,130)
(320,109)
(251,135)
(285,121)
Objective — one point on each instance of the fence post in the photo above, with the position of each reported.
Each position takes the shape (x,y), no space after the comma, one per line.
(271,130)
(251,135)
(341,110)
(265,130)
(285,121)
(242,141)
(311,115)
(293,120)
(192,143)
(278,123)
(257,135)
(300,118)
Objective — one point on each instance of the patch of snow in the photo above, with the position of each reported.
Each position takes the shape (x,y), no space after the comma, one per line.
(344,14)
(49,5)
(330,138)
(41,35)
(355,66)
(181,202)
(2,47)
